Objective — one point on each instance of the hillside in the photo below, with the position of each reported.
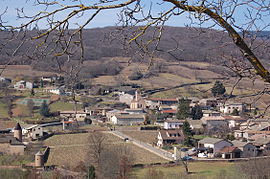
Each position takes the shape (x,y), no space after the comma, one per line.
(208,44)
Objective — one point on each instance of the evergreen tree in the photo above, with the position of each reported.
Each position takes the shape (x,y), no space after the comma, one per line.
(183,111)
(235,112)
(218,89)
(41,83)
(186,129)
(91,172)
(44,109)
(196,112)
(187,133)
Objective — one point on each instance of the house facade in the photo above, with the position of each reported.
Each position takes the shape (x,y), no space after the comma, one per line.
(173,124)
(128,119)
(214,144)
(228,108)
(166,137)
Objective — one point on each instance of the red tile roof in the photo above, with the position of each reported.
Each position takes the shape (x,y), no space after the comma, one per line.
(228,149)
(169,111)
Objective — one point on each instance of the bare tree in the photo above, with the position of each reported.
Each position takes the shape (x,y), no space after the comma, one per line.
(110,160)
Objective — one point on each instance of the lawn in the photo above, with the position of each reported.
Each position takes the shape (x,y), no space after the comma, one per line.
(3,110)
(209,170)
(63,106)
(71,149)
(144,136)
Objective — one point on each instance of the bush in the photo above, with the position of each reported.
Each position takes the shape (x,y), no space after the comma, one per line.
(135,76)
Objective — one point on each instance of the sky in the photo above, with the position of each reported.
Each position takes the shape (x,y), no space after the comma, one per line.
(105,18)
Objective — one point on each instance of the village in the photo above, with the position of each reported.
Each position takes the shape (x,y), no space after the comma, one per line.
(181,128)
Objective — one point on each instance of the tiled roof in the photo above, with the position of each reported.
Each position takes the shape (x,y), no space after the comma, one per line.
(209,140)
(172,134)
(228,149)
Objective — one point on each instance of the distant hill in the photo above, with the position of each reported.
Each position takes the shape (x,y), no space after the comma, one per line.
(190,44)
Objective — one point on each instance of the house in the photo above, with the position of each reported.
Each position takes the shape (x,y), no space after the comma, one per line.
(54,90)
(207,113)
(173,124)
(78,115)
(114,112)
(128,119)
(166,137)
(228,108)
(262,143)
(156,102)
(234,121)
(34,132)
(214,144)
(208,103)
(213,122)
(256,128)
(247,149)
(4,82)
(97,111)
(229,152)
(195,124)
(21,85)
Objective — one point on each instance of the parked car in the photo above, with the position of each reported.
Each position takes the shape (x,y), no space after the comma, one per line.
(185,158)
(202,155)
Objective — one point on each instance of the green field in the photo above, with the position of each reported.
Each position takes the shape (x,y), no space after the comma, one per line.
(63,106)
(3,110)
(199,170)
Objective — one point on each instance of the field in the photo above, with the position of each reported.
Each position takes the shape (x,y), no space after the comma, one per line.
(69,150)
(63,106)
(144,136)
(199,170)
(3,110)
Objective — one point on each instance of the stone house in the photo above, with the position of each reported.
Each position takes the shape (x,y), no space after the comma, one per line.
(21,85)
(214,144)
(128,119)
(247,148)
(228,108)
(166,137)
(79,115)
(34,132)
(230,152)
(213,122)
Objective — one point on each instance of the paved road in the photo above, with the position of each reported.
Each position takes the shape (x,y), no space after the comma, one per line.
(162,153)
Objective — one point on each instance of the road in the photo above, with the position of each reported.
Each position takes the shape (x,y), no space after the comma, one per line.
(162,153)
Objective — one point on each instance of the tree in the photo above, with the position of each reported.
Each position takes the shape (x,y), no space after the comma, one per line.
(218,89)
(235,112)
(91,172)
(196,112)
(44,110)
(183,110)
(30,106)
(186,129)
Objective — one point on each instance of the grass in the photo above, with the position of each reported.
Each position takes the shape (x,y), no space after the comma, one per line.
(13,173)
(71,149)
(3,110)
(63,106)
(144,136)
(209,170)
(15,159)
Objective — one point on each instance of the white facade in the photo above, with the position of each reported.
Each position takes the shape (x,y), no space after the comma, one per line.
(128,119)
(34,132)
(228,108)
(173,124)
